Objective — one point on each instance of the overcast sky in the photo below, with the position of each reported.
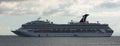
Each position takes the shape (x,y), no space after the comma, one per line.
(14,13)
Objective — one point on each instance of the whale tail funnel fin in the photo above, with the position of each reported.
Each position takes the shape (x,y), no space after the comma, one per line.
(84,18)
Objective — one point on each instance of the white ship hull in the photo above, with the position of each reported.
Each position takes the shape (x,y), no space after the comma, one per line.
(88,34)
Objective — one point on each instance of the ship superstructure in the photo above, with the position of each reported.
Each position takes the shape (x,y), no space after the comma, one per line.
(82,28)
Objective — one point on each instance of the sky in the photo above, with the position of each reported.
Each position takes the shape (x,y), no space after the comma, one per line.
(14,13)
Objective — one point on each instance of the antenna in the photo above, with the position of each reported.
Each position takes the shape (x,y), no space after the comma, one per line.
(47,20)
(38,18)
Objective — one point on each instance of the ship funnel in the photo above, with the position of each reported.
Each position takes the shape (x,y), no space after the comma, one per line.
(84,18)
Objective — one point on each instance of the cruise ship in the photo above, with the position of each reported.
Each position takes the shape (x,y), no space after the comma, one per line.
(83,28)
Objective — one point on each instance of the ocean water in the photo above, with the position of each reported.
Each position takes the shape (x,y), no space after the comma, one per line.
(59,41)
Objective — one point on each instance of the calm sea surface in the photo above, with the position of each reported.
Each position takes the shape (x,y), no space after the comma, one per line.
(59,41)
